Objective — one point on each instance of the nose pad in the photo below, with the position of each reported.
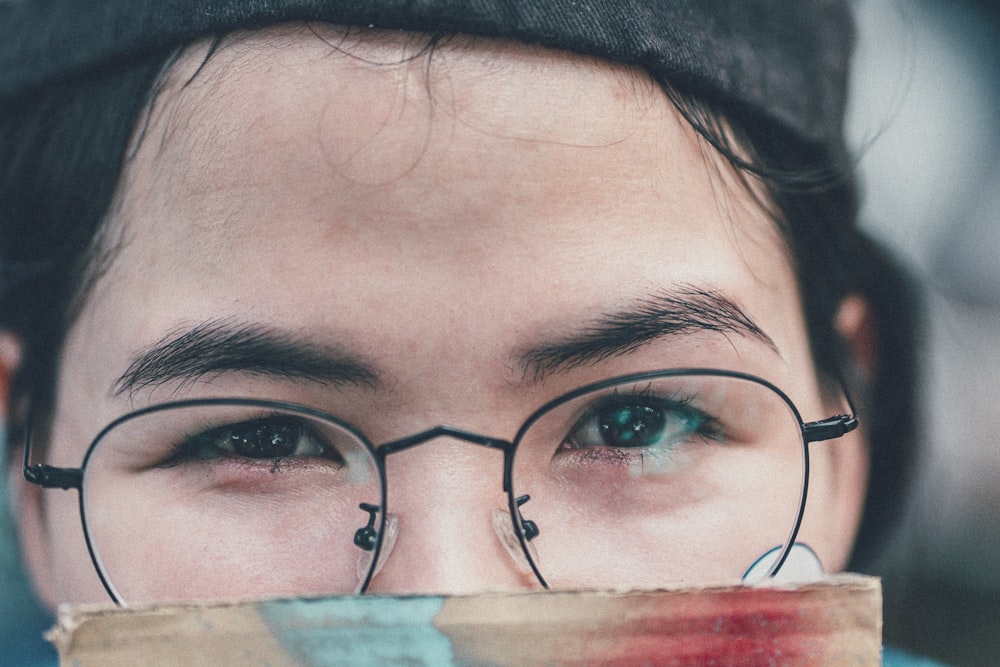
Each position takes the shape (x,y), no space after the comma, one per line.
(503,526)
(365,539)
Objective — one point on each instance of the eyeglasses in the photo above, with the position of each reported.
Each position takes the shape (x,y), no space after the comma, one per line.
(650,478)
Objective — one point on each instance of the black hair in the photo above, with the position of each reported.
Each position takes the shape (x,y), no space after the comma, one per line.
(64,148)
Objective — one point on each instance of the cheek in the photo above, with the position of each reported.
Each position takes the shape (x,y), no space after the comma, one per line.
(66,573)
(836,492)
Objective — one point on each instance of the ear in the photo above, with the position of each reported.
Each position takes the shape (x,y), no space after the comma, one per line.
(10,360)
(850,456)
(856,327)
(25,498)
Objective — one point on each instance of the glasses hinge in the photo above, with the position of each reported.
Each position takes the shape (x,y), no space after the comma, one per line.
(828,429)
(49,477)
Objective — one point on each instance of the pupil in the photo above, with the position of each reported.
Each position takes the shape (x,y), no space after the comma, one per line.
(632,426)
(264,440)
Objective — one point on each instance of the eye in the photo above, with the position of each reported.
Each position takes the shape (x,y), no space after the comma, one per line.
(634,422)
(264,440)
(270,438)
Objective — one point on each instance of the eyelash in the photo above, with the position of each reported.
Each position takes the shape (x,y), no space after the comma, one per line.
(708,427)
(203,444)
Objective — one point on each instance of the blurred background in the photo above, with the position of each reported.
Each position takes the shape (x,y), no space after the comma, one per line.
(925,122)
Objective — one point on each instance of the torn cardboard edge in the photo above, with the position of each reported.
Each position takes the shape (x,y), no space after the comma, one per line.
(836,620)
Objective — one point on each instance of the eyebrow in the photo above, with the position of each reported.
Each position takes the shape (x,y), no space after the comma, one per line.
(221,346)
(687,310)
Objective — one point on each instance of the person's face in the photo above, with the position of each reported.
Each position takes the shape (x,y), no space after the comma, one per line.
(434,223)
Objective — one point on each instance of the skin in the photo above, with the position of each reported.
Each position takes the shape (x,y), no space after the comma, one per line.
(436,221)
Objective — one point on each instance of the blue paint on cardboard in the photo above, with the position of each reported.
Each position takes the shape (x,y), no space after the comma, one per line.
(362,631)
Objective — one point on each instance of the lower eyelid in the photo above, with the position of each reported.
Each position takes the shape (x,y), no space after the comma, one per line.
(600,456)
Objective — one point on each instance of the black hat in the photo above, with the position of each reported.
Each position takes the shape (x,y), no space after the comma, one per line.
(783,61)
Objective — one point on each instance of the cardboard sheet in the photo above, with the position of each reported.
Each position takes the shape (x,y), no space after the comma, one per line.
(836,621)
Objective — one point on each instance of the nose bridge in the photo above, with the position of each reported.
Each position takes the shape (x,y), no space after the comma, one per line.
(442,431)
(444,494)
(443,463)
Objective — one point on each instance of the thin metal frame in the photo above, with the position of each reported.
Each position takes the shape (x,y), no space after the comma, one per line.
(51,477)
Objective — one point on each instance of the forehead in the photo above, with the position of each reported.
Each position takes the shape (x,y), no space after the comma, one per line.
(420,203)
(456,146)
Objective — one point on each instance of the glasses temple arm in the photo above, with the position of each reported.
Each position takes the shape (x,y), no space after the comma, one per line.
(46,476)
(49,477)
(836,426)
(828,429)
